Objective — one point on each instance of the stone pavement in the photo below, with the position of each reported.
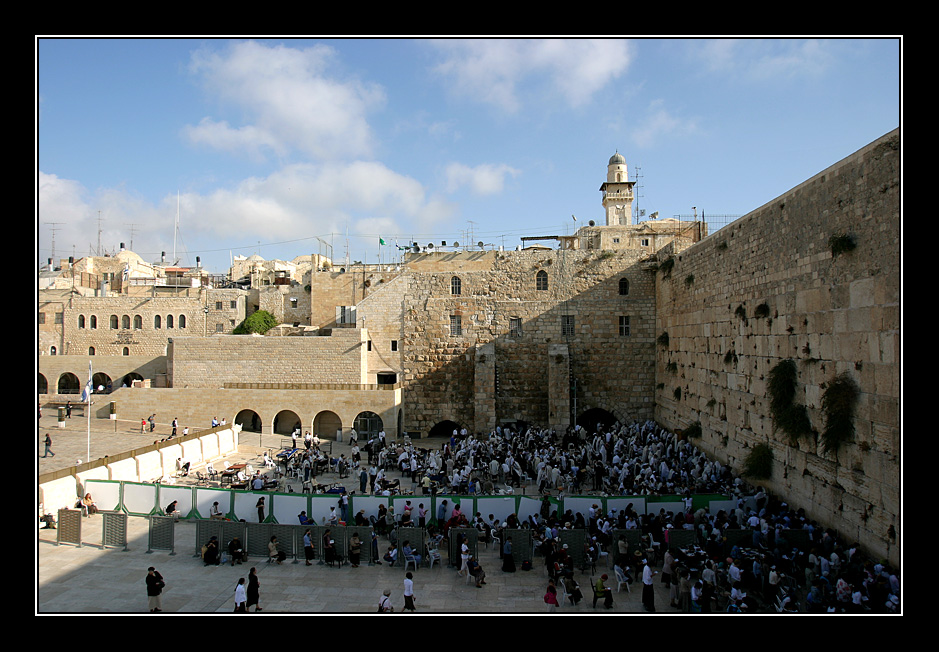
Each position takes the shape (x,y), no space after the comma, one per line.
(93,579)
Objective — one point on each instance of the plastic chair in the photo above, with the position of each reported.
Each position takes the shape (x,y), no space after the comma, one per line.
(621,579)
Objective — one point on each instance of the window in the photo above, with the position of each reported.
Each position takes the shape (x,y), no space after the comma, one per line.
(138,322)
(218,305)
(234,304)
(59,318)
(541,280)
(114,322)
(220,328)
(126,351)
(623,287)
(456,286)
(91,350)
(42,318)
(157,321)
(515,327)
(169,321)
(644,242)
(624,326)
(81,321)
(615,240)
(567,325)
(370,345)
(94,321)
(182,321)
(456,326)
(394,345)
(125,321)
(293,303)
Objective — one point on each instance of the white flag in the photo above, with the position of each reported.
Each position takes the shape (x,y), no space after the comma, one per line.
(89,388)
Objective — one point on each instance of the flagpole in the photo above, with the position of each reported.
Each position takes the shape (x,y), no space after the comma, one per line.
(89,388)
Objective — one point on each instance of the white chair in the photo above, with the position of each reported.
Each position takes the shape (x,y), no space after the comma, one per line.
(621,580)
(409,559)
(433,555)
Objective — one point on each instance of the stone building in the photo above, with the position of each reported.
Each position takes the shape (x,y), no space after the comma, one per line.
(657,320)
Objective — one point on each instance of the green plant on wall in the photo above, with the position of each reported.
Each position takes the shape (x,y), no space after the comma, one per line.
(258,322)
(759,463)
(663,340)
(761,311)
(693,431)
(841,243)
(839,402)
(666,267)
(789,416)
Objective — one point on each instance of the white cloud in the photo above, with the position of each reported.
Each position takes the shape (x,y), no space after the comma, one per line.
(760,60)
(512,73)
(290,98)
(485,179)
(658,122)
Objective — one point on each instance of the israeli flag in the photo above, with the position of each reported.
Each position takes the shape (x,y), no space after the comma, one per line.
(89,388)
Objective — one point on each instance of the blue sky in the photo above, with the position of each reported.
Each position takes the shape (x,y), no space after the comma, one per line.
(278,146)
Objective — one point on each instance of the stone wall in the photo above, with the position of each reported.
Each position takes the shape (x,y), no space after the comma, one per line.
(768,288)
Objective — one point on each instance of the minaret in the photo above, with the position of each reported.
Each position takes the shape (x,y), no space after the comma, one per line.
(617,193)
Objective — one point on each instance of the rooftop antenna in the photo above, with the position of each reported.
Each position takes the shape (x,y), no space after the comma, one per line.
(131,236)
(53,229)
(98,250)
(175,228)
(638,187)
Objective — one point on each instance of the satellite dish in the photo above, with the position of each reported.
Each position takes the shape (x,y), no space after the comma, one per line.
(456,244)
(480,244)
(417,248)
(591,223)
(443,243)
(430,245)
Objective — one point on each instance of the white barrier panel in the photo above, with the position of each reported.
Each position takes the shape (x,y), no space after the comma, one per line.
(675,508)
(580,505)
(206,496)
(527,507)
(124,470)
(192,451)
(140,499)
(106,494)
(227,442)
(245,506)
(183,496)
(500,507)
(286,507)
(209,447)
(149,466)
(619,504)
(168,457)
(369,504)
(97,473)
(58,494)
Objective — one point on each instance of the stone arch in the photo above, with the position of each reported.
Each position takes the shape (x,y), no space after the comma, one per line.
(42,384)
(68,384)
(101,379)
(285,422)
(444,428)
(129,379)
(590,419)
(249,420)
(367,423)
(326,424)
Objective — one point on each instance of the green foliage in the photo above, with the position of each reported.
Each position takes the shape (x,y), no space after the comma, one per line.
(838,403)
(666,267)
(689,280)
(841,243)
(677,393)
(663,340)
(741,312)
(759,463)
(790,417)
(258,322)
(761,311)
(693,431)
(671,367)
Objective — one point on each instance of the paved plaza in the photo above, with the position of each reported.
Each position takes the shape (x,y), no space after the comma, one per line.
(94,579)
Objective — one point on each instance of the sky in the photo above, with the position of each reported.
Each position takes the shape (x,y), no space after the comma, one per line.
(287,147)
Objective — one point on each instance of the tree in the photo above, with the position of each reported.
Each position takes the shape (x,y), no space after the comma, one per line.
(258,322)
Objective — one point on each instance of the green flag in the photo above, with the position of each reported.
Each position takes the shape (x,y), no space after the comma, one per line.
(380,241)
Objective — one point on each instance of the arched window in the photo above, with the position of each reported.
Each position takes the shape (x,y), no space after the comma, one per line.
(125,322)
(126,351)
(157,321)
(623,287)
(541,280)
(169,321)
(94,321)
(114,322)
(182,321)
(81,321)
(138,322)
(91,350)
(52,351)
(456,286)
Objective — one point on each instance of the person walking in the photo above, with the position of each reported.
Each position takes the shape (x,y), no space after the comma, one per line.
(48,444)
(254,590)
(409,592)
(155,585)
(241,597)
(648,591)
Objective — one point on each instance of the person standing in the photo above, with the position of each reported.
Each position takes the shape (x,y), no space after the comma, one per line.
(308,547)
(155,586)
(409,592)
(260,507)
(648,592)
(241,597)
(68,409)
(175,425)
(254,590)
(152,422)
(48,443)
(384,603)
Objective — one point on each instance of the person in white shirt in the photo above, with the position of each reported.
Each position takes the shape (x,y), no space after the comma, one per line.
(241,597)
(409,592)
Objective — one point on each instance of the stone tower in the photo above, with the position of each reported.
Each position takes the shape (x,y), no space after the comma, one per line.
(617,193)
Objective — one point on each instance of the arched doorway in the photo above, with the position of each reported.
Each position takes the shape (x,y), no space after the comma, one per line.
(368,424)
(129,379)
(68,384)
(286,422)
(595,417)
(444,429)
(249,420)
(326,424)
(43,385)
(102,383)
